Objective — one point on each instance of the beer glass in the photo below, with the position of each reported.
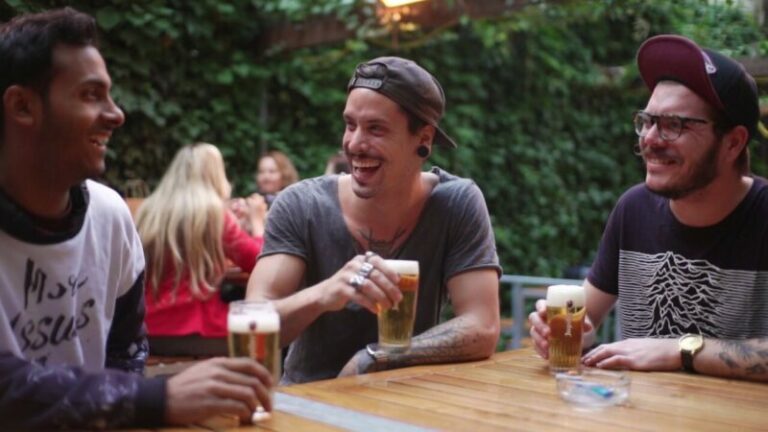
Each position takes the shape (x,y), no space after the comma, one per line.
(565,315)
(396,323)
(253,329)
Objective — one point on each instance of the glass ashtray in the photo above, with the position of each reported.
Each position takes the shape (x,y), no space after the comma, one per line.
(593,388)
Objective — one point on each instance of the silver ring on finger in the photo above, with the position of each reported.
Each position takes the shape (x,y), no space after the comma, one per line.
(365,270)
(369,255)
(356,281)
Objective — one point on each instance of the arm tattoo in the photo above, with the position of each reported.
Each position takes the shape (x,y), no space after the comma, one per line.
(757,369)
(748,357)
(385,248)
(453,341)
(726,358)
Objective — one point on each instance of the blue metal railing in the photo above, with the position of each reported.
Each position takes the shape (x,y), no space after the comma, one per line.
(535,287)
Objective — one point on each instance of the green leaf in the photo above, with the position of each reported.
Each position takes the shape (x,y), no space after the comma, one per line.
(108,18)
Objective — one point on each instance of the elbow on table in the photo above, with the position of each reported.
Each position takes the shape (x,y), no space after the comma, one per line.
(488,337)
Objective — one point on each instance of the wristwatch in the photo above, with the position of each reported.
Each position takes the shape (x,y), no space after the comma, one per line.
(380,358)
(690,345)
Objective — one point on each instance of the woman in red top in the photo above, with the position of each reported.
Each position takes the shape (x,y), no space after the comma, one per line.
(188,235)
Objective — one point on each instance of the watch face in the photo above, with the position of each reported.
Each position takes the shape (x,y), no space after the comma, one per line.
(691,342)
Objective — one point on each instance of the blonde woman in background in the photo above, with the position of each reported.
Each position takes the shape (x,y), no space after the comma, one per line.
(188,233)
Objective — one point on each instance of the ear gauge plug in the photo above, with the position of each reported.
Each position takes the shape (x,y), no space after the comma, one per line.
(423,151)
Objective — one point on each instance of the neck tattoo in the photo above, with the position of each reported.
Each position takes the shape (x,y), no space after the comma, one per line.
(385,248)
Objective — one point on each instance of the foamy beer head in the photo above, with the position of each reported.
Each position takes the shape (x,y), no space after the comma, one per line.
(404,267)
(252,317)
(560,295)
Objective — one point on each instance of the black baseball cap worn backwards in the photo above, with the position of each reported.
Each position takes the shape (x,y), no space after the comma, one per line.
(718,79)
(407,84)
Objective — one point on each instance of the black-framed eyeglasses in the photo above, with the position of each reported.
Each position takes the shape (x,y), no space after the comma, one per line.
(670,127)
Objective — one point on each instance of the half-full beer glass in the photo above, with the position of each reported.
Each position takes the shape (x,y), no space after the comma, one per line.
(396,323)
(254,331)
(565,315)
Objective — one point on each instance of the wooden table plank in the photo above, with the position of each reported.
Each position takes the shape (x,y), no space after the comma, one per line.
(514,391)
(377,403)
(282,421)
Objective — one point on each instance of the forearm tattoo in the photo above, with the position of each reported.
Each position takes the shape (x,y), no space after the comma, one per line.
(453,341)
(745,357)
(385,248)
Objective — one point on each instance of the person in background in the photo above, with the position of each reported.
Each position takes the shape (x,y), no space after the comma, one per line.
(337,164)
(275,173)
(686,253)
(326,239)
(72,337)
(188,235)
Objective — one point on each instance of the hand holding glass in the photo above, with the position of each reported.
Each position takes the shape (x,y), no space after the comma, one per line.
(565,316)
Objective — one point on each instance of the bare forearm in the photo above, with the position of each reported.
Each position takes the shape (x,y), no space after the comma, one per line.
(297,312)
(743,359)
(463,338)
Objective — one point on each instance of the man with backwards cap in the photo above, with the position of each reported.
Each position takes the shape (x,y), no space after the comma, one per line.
(323,233)
(686,253)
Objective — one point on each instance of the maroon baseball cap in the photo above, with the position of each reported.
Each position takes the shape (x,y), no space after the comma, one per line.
(718,79)
(409,85)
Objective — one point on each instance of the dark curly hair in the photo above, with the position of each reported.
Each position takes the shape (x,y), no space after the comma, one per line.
(27,43)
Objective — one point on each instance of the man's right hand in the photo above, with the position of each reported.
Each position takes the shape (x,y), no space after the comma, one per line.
(378,291)
(540,328)
(231,386)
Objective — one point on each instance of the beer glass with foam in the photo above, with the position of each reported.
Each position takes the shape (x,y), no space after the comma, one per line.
(565,315)
(254,331)
(396,323)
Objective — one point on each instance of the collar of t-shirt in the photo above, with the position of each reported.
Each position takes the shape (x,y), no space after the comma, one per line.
(25,226)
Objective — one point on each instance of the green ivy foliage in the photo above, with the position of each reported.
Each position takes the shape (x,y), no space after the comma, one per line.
(540,100)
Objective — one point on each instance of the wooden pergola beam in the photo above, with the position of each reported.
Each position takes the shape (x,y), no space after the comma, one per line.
(427,15)
(757,67)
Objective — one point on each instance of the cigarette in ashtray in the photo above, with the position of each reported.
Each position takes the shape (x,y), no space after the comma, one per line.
(260,415)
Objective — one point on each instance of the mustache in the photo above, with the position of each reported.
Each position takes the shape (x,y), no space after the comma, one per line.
(647,151)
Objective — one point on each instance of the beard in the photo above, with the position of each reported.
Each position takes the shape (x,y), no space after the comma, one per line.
(704,172)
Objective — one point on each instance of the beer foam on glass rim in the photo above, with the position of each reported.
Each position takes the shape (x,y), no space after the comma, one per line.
(265,320)
(559,295)
(403,267)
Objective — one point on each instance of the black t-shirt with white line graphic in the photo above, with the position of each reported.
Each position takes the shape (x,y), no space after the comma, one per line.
(673,279)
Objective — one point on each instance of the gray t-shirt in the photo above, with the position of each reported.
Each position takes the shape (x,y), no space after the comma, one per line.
(453,235)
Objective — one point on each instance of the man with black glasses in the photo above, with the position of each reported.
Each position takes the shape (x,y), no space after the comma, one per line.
(325,239)
(686,253)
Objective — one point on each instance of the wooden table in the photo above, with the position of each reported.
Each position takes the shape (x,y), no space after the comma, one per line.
(513,391)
